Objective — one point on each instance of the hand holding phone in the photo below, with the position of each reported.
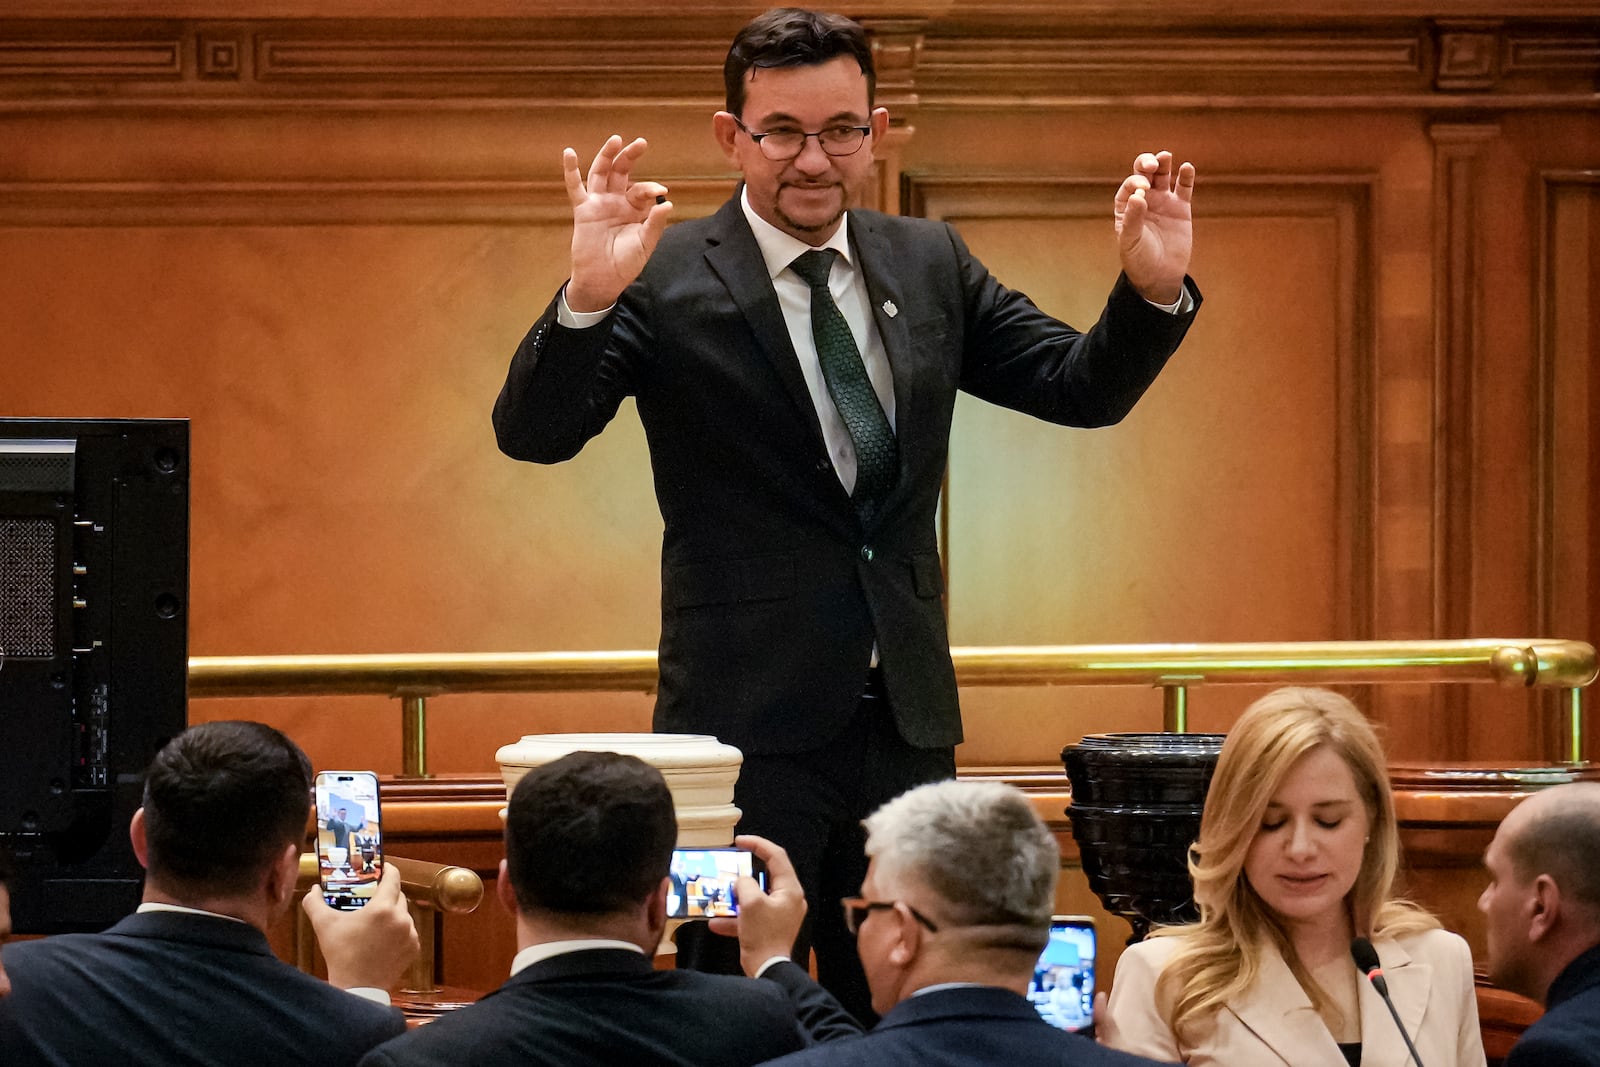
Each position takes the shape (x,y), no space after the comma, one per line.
(370,947)
(349,837)
(770,914)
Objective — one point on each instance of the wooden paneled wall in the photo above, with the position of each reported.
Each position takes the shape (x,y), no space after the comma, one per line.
(319,229)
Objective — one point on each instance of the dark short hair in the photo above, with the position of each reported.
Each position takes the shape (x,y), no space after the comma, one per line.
(220,802)
(589,833)
(794,37)
(1563,843)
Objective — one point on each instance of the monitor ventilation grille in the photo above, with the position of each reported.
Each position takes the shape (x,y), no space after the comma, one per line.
(36,471)
(27,588)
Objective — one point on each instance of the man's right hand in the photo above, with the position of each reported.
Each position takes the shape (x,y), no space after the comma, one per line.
(768,922)
(616,223)
(370,947)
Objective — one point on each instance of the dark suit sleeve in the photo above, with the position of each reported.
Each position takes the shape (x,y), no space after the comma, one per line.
(821,1017)
(377,1058)
(1537,1052)
(565,385)
(1017,356)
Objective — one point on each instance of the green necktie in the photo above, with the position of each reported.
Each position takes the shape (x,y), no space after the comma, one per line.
(877,462)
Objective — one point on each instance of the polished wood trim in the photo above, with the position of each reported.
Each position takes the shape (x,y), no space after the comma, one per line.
(1058,12)
(315,202)
(1563,427)
(1502,1016)
(1457,356)
(1022,56)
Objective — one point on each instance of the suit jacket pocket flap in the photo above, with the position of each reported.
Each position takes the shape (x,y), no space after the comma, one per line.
(926,574)
(730,581)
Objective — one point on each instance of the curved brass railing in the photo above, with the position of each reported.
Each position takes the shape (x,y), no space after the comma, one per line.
(1550,663)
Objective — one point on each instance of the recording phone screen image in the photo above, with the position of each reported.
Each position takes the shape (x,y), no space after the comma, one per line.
(349,849)
(1063,980)
(703,882)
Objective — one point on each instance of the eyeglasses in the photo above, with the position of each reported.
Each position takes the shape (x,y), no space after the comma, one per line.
(856,910)
(786,144)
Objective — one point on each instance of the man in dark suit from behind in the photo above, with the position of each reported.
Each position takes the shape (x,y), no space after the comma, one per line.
(190,977)
(589,840)
(1542,907)
(953,913)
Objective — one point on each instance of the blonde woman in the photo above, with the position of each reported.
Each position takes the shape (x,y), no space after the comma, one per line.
(1297,856)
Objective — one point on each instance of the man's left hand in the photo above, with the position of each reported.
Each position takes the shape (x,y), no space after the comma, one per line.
(1155,228)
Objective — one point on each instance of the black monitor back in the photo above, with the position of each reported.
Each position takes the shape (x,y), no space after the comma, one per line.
(94,593)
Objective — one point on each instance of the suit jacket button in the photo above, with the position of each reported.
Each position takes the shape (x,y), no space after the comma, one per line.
(823,465)
(866,553)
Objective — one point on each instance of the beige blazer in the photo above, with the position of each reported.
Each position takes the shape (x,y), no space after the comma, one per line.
(1273,1024)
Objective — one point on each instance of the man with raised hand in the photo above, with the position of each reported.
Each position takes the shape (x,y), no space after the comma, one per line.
(795,360)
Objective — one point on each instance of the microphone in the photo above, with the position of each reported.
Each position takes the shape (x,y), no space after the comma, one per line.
(1366,958)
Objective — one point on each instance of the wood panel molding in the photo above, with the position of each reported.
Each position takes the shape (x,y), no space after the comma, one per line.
(1567,268)
(975,58)
(290,203)
(1345,199)
(1457,355)
(91,57)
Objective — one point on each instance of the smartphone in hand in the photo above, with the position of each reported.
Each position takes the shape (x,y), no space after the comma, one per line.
(1063,980)
(705,881)
(349,837)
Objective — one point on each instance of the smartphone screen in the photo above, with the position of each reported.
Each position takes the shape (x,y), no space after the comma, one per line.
(704,881)
(349,837)
(1063,980)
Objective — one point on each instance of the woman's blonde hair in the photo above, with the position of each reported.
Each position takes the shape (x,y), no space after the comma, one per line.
(1221,955)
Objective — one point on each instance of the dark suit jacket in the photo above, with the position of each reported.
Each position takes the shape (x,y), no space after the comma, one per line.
(959,1027)
(168,989)
(772,590)
(1568,1034)
(607,1007)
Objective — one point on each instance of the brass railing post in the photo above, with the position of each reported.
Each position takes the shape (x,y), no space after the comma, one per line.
(1575,726)
(419,976)
(1175,707)
(414,735)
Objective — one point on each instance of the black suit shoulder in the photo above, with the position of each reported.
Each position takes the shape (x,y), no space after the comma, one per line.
(608,1016)
(168,989)
(963,1027)
(1568,1035)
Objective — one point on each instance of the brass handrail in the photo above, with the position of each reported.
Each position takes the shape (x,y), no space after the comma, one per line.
(412,678)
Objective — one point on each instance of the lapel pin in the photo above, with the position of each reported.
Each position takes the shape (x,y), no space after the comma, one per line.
(889,309)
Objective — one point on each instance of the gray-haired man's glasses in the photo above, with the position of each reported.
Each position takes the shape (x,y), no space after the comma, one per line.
(780,145)
(856,910)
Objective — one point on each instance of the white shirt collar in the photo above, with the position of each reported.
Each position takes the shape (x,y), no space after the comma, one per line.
(550,949)
(156,905)
(942,986)
(780,249)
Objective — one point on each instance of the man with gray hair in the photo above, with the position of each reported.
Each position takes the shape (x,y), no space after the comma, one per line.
(1542,907)
(953,913)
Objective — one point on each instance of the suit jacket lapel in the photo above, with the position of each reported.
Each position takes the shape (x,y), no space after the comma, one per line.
(1280,1014)
(883,292)
(734,256)
(1409,984)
